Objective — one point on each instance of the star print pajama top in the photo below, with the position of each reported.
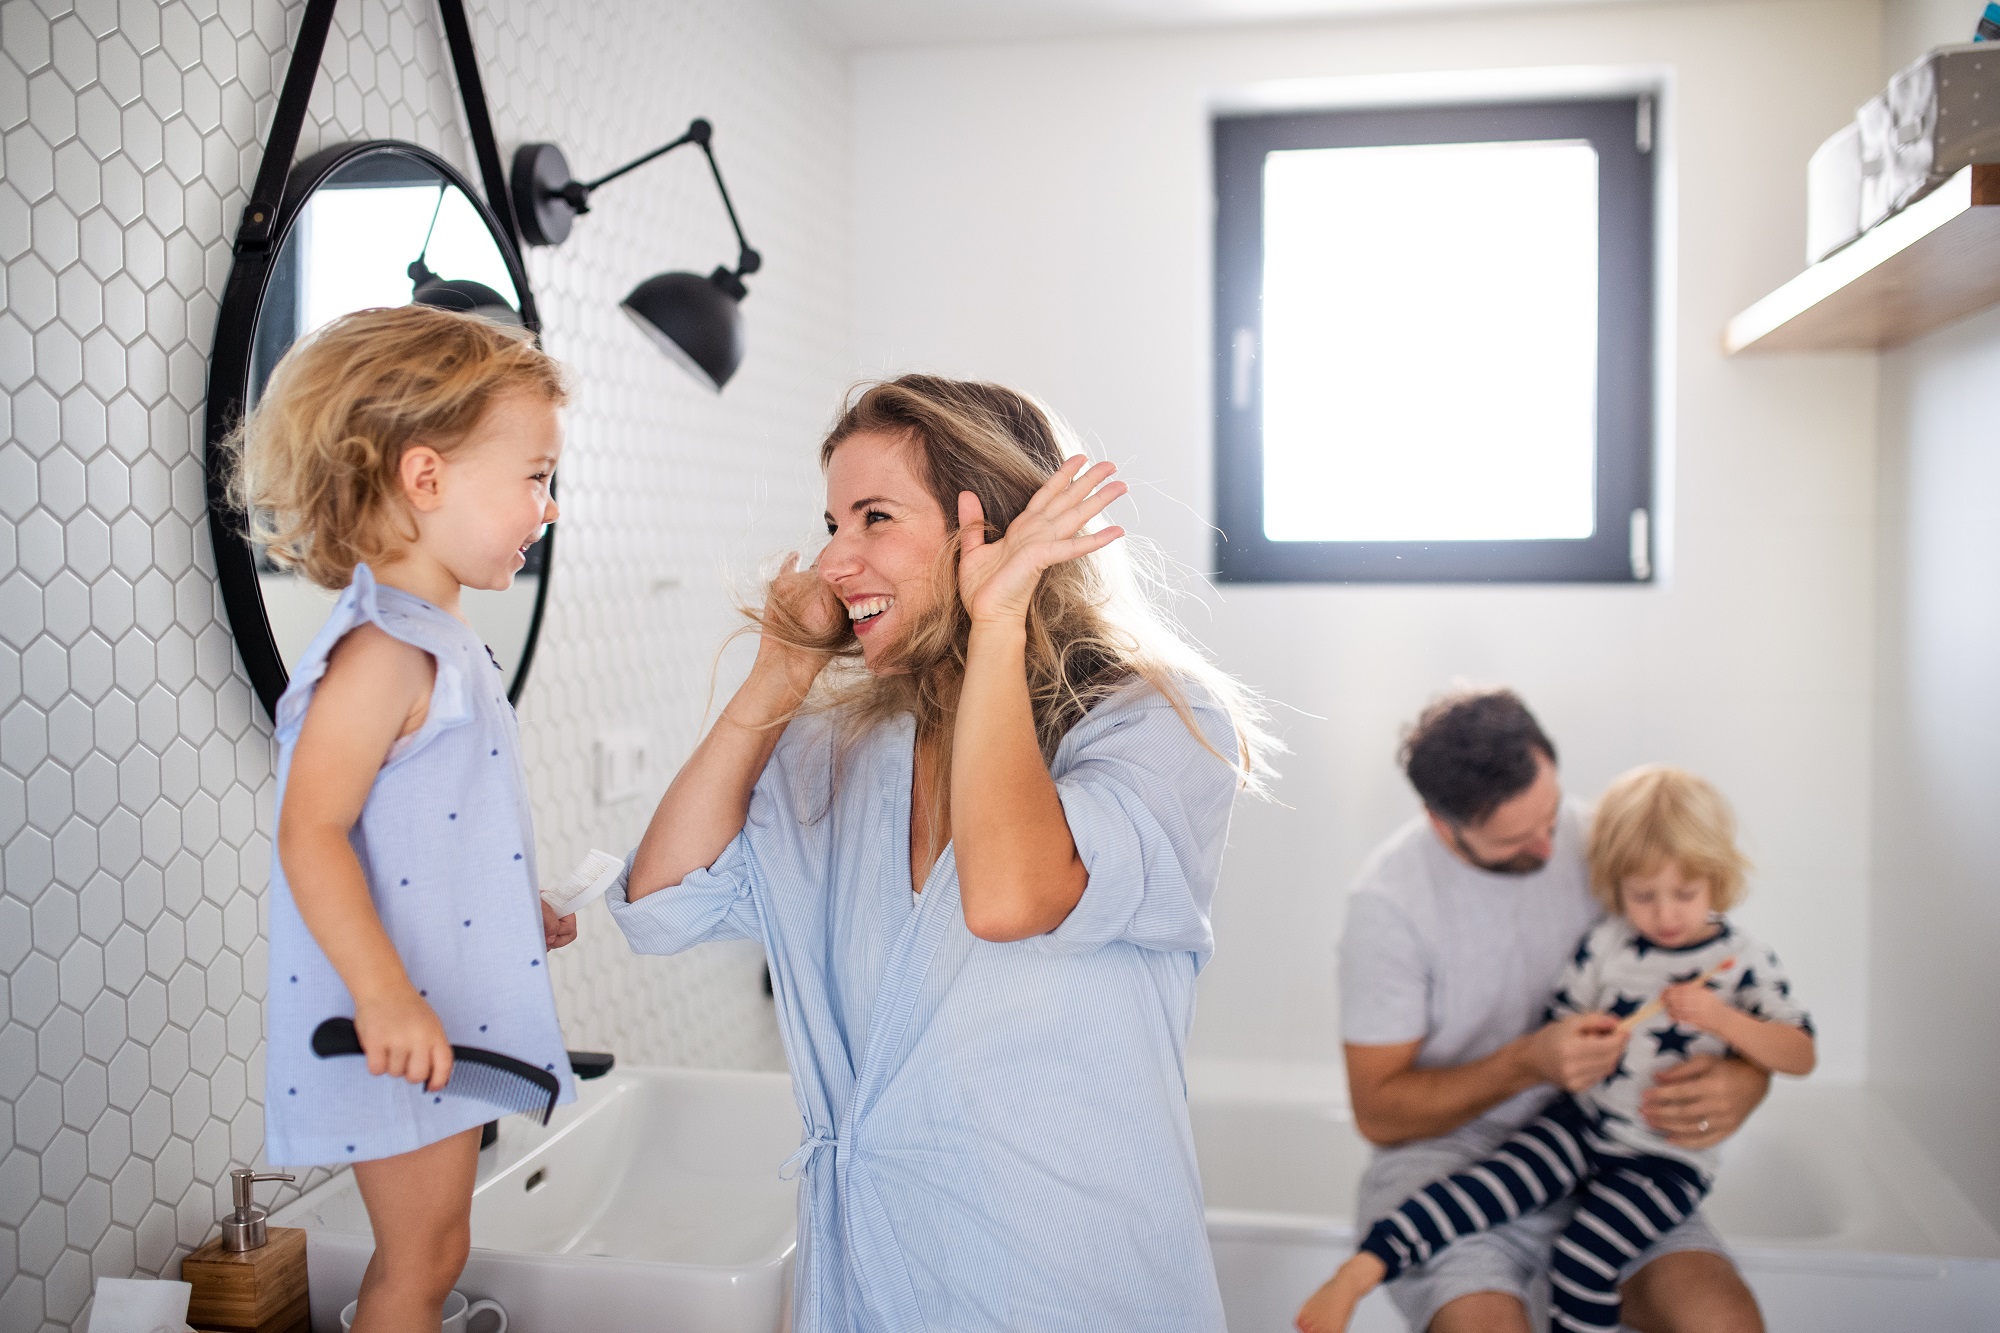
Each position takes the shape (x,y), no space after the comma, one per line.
(1616,970)
(1633,1185)
(447,846)
(995,1135)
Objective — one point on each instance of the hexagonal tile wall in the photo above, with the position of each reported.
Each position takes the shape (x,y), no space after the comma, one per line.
(136,785)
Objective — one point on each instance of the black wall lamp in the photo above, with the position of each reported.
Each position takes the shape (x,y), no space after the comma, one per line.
(696,321)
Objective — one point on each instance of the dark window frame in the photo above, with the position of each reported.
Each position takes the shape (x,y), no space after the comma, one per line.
(1620,550)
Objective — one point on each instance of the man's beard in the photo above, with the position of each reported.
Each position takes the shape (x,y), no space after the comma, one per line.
(1521,863)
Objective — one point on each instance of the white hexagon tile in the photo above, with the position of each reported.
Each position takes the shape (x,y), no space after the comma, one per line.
(135,763)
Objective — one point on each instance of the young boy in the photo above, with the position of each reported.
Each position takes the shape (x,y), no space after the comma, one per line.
(1663,859)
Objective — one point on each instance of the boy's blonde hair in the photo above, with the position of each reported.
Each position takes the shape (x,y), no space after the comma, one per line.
(1656,814)
(316,464)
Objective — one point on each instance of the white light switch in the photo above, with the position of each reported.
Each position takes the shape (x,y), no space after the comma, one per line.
(623,766)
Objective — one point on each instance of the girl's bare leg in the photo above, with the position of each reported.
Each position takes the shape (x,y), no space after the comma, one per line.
(420,1204)
(1332,1305)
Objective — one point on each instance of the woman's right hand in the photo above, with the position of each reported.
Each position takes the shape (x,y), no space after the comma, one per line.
(402,1037)
(800,597)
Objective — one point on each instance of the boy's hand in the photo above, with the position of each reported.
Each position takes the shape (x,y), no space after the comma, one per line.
(401,1036)
(1696,1004)
(557,930)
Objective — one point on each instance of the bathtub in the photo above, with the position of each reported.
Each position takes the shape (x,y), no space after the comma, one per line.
(654,1203)
(1836,1218)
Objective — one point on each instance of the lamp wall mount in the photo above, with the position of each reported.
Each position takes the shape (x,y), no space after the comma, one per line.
(548,198)
(695,321)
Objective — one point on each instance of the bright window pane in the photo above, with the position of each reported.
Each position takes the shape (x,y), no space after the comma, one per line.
(1430,342)
(358,244)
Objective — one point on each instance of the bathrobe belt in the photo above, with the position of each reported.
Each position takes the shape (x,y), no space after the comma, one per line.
(802,1160)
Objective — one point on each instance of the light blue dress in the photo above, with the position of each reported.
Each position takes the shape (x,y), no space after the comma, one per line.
(996,1135)
(448,847)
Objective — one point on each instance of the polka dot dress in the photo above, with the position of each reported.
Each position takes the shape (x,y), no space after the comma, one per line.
(447,843)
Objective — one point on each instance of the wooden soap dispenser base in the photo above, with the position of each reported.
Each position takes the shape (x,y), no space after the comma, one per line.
(251,1278)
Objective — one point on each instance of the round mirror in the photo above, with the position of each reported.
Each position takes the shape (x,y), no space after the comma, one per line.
(362,225)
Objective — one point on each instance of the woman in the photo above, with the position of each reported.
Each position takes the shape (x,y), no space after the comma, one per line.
(972,799)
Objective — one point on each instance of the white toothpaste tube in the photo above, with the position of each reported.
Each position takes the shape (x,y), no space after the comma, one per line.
(596,873)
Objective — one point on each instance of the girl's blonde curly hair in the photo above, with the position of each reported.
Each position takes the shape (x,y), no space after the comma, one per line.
(1095,625)
(315,466)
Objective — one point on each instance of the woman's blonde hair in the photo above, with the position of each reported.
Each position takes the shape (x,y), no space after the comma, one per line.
(1094,625)
(1657,814)
(316,463)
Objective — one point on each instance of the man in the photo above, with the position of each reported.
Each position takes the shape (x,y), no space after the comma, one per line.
(1456,931)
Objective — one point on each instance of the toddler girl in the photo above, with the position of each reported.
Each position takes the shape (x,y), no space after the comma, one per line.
(403,454)
(1663,859)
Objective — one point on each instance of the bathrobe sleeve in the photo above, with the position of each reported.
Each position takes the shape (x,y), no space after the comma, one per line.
(1148,807)
(713,903)
(783,834)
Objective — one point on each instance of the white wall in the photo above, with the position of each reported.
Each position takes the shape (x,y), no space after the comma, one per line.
(1936,919)
(1039,213)
(135,765)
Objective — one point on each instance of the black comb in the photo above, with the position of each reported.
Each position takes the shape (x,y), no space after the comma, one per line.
(485,1076)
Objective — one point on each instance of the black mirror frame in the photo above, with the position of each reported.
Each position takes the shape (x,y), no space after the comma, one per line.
(280,192)
(228,394)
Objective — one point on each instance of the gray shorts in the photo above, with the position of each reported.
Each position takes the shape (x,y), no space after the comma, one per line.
(1513,1258)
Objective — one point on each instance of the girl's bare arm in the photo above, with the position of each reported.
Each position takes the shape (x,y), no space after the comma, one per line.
(376,688)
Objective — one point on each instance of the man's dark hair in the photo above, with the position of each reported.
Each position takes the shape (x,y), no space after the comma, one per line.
(1472,751)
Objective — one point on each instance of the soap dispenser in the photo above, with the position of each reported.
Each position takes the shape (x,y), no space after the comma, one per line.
(251,1278)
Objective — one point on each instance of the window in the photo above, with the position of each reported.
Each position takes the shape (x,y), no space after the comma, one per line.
(1434,351)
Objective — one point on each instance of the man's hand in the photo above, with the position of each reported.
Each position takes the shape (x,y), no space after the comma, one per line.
(1702,1101)
(557,930)
(1577,1051)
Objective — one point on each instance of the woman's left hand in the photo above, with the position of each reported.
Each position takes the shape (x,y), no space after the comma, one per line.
(997,580)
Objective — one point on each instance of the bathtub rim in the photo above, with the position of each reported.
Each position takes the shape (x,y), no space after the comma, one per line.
(1895,1165)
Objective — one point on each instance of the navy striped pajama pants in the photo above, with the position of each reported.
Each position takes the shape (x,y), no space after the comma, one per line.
(1628,1201)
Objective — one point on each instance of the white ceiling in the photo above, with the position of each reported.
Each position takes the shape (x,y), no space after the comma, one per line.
(866,23)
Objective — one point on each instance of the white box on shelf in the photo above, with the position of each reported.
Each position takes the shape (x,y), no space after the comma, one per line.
(1833,193)
(1937,115)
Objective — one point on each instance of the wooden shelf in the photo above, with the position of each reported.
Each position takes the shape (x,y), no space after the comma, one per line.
(1936,261)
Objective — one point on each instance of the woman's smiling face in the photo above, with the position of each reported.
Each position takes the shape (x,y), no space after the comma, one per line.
(884,537)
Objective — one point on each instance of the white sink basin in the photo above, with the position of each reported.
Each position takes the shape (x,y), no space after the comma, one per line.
(653,1203)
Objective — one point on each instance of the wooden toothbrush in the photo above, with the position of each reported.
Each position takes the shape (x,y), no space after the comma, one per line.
(1658,1002)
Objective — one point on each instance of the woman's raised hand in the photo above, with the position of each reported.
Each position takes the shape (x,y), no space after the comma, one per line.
(997,579)
(795,597)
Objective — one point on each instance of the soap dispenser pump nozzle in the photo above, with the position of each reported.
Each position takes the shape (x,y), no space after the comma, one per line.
(244,1229)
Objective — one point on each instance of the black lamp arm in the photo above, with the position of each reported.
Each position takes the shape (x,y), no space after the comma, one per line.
(698,132)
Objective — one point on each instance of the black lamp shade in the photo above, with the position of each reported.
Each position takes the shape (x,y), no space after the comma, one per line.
(694,320)
(467,297)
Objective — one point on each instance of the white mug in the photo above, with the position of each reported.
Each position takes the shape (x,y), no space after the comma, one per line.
(458,1314)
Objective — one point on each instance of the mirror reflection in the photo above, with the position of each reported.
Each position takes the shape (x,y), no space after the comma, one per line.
(385,229)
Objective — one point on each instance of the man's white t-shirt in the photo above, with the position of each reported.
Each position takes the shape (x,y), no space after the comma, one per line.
(1462,959)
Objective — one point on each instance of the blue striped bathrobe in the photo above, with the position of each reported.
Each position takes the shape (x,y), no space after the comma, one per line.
(996,1135)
